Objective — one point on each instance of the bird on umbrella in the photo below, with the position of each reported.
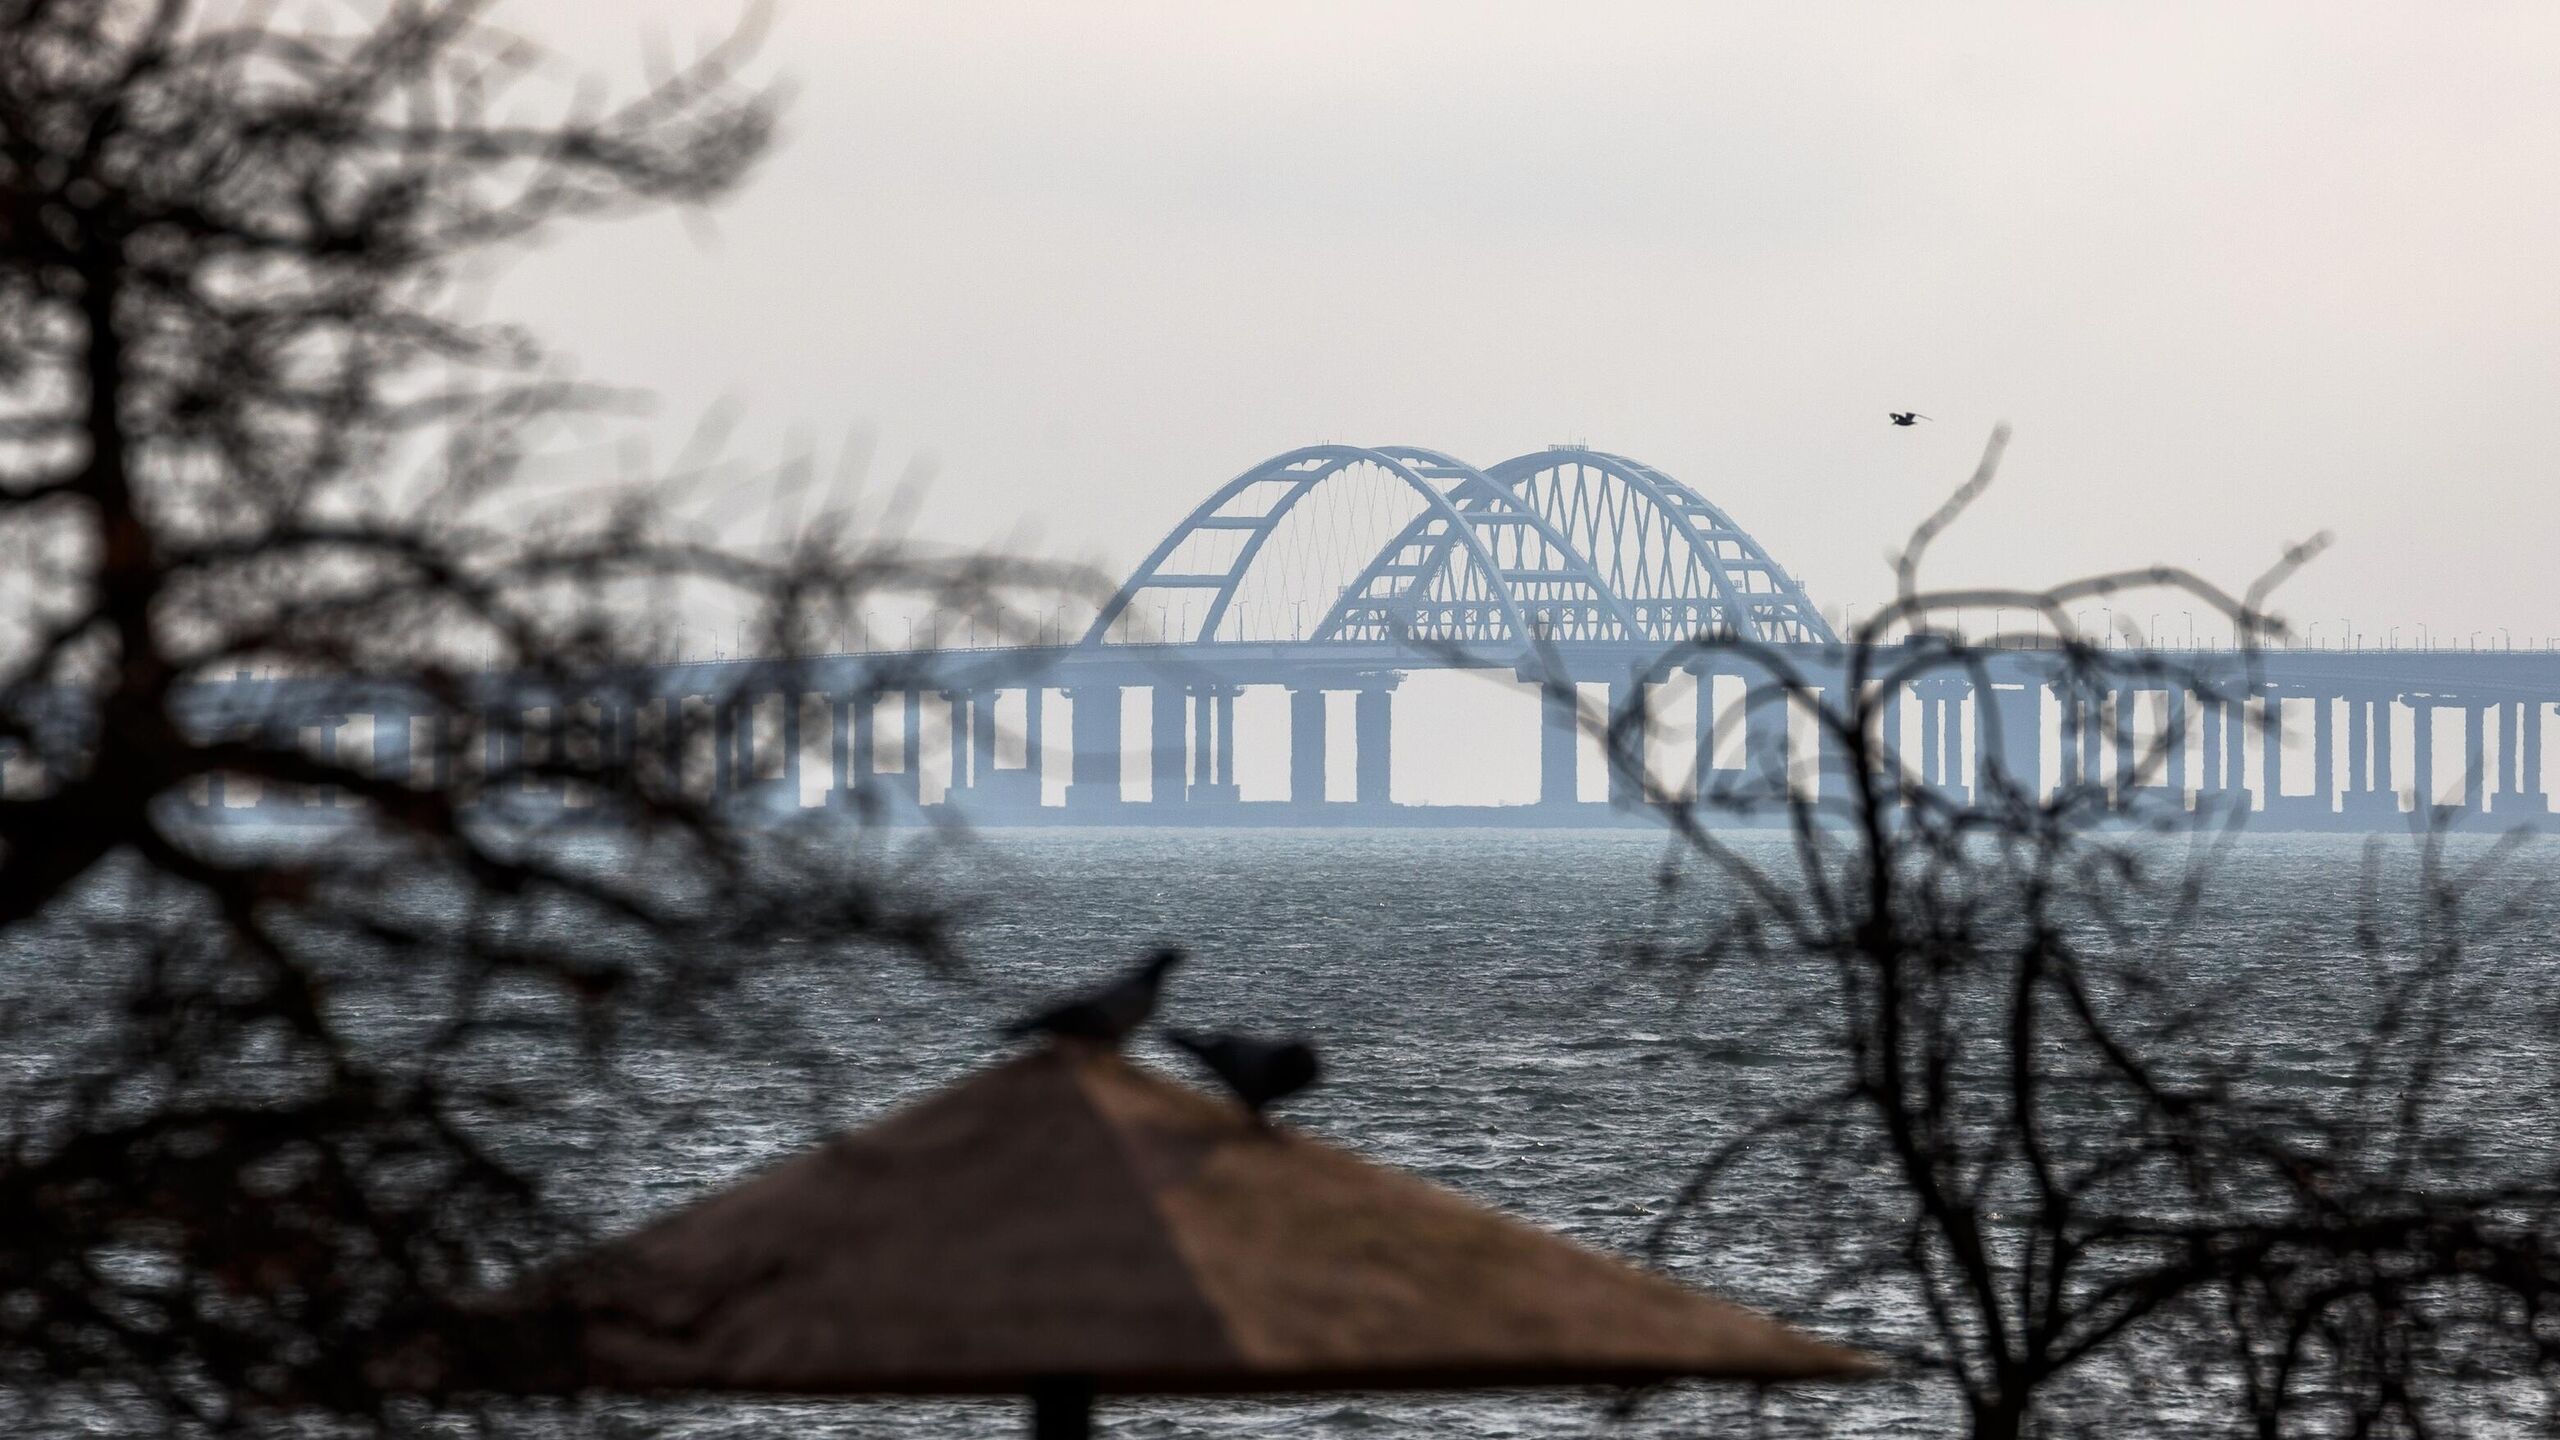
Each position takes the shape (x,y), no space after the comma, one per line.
(1104,1016)
(1905,417)
(1261,1072)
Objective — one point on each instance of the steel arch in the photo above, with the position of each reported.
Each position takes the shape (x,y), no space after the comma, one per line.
(1723,552)
(1493,515)
(1658,562)
(1322,462)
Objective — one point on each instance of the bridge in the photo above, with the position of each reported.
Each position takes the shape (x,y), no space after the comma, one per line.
(1335,572)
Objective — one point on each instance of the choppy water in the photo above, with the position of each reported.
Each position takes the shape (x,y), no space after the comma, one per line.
(1483,1026)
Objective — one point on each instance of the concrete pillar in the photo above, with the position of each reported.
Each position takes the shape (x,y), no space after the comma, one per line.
(555,743)
(2510,736)
(2174,735)
(1204,739)
(2235,750)
(2359,749)
(982,741)
(2093,728)
(1764,739)
(2532,765)
(1373,736)
(791,703)
(1629,704)
(1227,741)
(840,777)
(391,745)
(861,759)
(911,722)
(1306,745)
(1832,780)
(2067,772)
(2383,725)
(2209,776)
(2122,708)
(1559,745)
(2018,759)
(2475,755)
(2422,773)
(2324,753)
(1093,735)
(1168,756)
(328,726)
(1953,772)
(2271,750)
(1034,748)
(671,743)
(962,746)
(1932,752)
(1889,766)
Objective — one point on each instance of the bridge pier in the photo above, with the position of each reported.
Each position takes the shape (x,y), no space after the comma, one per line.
(911,745)
(2093,726)
(1306,745)
(2017,760)
(2173,733)
(1213,744)
(2422,767)
(2235,750)
(1559,743)
(1888,744)
(849,722)
(2209,781)
(1629,702)
(1766,710)
(963,746)
(2385,725)
(391,745)
(792,702)
(1831,762)
(2475,755)
(1373,715)
(2359,753)
(1170,759)
(2324,754)
(2530,757)
(2271,749)
(1093,730)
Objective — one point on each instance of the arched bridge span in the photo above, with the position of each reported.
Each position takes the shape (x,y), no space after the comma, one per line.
(1362,545)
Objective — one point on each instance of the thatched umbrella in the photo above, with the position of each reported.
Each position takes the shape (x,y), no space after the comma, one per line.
(1068,1223)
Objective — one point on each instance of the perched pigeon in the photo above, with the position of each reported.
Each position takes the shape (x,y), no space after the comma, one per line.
(1905,417)
(1106,1015)
(1259,1071)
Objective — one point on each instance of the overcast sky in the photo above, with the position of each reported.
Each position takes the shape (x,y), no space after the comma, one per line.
(2235,273)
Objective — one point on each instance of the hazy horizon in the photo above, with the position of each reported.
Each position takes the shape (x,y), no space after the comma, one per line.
(2234,276)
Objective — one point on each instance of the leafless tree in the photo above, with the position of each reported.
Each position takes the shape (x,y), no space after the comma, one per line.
(2033,1119)
(261,1093)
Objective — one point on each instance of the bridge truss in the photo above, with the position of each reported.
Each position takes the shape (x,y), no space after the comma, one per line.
(1362,545)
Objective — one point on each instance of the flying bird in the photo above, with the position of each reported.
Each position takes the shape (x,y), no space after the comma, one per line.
(1260,1072)
(1105,1016)
(1905,417)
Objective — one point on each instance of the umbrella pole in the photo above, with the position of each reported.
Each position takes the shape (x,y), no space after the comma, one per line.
(1062,1410)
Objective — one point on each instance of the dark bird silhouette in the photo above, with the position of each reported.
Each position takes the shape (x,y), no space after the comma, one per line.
(1106,1015)
(1905,417)
(1259,1071)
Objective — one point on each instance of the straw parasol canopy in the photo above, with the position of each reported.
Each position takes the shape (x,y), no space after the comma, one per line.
(1068,1223)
